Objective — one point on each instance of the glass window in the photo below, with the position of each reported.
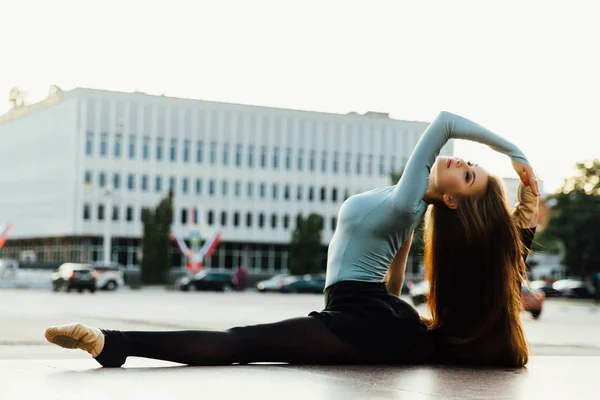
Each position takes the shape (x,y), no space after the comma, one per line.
(261,193)
(103,144)
(131,147)
(370,165)
(311,160)
(288,158)
(346,194)
(334,195)
(225,153)
(276,158)
(263,156)
(274,221)
(211,187)
(101,212)
(347,164)
(89,143)
(286,221)
(158,184)
(213,153)
(248,219)
(173,151)
(102,179)
(130,182)
(323,194)
(159,148)
(184,216)
(311,193)
(129,214)
(87,178)
(393,164)
(236,218)
(261,220)
(199,151)
(223,218)
(146,148)
(286,192)
(118,140)
(300,156)
(224,187)
(237,188)
(86,212)
(358,160)
(172,184)
(210,217)
(115,213)
(381,165)
(145,183)
(186,150)
(333,223)
(184,185)
(198,186)
(249,188)
(299,193)
(250,156)
(324,161)
(238,155)
(334,165)
(274,191)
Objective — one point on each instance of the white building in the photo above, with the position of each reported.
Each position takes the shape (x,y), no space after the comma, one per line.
(249,169)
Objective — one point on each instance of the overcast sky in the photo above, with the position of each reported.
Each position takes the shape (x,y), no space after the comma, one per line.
(529,70)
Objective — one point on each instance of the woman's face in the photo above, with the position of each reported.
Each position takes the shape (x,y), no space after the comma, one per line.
(454,177)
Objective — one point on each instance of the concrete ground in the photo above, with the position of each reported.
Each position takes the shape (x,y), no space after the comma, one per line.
(565,344)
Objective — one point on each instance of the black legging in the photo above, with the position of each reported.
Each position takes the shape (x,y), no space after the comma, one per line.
(303,340)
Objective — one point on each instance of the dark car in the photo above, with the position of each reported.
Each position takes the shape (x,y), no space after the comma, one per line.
(71,276)
(303,284)
(205,280)
(573,289)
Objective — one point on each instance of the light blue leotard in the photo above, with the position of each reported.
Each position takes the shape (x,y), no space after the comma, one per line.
(373,225)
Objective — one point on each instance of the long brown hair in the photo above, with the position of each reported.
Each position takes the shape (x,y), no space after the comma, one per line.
(474,265)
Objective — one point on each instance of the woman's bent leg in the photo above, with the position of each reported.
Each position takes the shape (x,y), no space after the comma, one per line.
(304,340)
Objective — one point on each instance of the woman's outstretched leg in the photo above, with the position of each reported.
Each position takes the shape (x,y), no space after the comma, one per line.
(303,340)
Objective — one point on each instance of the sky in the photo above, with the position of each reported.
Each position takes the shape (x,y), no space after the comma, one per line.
(528,70)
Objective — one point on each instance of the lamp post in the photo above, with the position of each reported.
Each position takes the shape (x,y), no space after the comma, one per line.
(107,241)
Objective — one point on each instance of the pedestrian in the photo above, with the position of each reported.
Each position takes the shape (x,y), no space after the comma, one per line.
(474,264)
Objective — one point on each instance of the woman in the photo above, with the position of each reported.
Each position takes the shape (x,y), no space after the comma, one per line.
(363,322)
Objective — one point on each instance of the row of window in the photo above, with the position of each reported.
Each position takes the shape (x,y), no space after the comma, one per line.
(224,218)
(329,161)
(238,189)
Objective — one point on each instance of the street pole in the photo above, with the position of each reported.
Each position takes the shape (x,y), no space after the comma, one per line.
(107,222)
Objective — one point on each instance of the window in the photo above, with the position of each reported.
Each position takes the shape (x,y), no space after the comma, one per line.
(89,143)
(274,191)
(381,165)
(238,155)
(130,182)
(116,181)
(158,184)
(358,160)
(199,151)
(276,158)
(87,178)
(288,158)
(334,195)
(261,193)
(261,220)
(346,194)
(347,164)
(225,153)
(286,221)
(334,166)
(237,188)
(333,223)
(129,214)
(103,144)
(146,148)
(249,188)
(224,187)
(274,221)
(250,156)
(101,212)
(323,194)
(393,164)
(286,192)
(311,161)
(118,140)
(115,213)
(102,179)
(370,165)
(236,218)
(300,156)
(263,156)
(145,183)
(223,218)
(198,186)
(211,187)
(131,147)
(173,151)
(311,193)
(210,218)
(159,148)
(186,150)
(299,193)
(172,184)
(213,153)
(324,161)
(184,185)
(249,219)
(184,216)
(86,212)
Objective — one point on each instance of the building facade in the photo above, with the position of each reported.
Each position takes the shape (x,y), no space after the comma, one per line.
(84,162)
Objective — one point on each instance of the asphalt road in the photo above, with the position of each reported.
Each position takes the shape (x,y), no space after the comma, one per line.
(565,327)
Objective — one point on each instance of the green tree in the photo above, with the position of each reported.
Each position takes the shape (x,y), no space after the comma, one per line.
(575,219)
(156,243)
(306,250)
(416,249)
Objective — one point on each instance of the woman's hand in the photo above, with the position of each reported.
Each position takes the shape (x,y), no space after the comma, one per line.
(527,176)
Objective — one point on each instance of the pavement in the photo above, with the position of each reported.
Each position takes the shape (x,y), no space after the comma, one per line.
(565,344)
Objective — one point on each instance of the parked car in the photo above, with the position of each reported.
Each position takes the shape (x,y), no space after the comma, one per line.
(272,284)
(532,300)
(545,287)
(303,284)
(71,276)
(109,277)
(207,280)
(573,289)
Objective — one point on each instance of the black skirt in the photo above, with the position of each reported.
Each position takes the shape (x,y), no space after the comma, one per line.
(366,315)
